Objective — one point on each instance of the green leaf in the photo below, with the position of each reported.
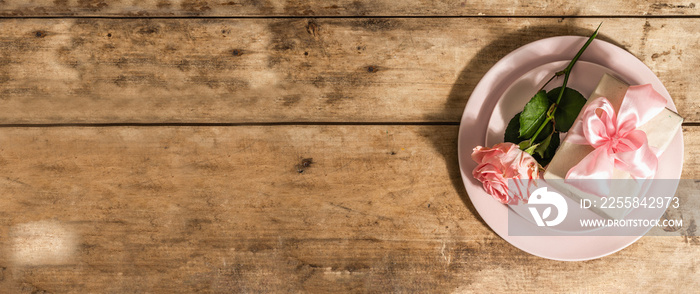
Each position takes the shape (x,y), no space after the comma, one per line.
(513,130)
(570,105)
(543,145)
(534,114)
(548,153)
(548,129)
(530,149)
(524,145)
(553,146)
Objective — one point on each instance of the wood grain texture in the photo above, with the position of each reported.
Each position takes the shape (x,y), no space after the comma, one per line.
(342,8)
(235,209)
(296,70)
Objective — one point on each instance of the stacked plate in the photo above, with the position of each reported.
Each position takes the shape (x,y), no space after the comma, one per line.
(503,92)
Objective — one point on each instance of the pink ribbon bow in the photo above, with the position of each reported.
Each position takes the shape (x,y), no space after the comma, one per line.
(617,141)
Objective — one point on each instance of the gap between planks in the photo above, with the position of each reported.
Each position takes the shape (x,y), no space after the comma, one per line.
(251,124)
(347,17)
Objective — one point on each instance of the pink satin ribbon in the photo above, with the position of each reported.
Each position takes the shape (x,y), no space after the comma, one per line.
(617,141)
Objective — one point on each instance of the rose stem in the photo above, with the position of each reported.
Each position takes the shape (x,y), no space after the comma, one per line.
(567,73)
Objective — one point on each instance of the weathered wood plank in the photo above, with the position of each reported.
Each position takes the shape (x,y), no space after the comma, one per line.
(234,209)
(214,70)
(341,8)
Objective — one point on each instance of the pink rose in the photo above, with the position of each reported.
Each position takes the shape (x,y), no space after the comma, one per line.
(498,164)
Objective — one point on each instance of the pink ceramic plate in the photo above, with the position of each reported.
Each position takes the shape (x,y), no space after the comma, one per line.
(475,122)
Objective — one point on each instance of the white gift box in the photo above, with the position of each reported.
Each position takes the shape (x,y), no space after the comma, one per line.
(660,130)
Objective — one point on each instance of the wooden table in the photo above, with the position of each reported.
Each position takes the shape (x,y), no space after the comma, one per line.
(288,146)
